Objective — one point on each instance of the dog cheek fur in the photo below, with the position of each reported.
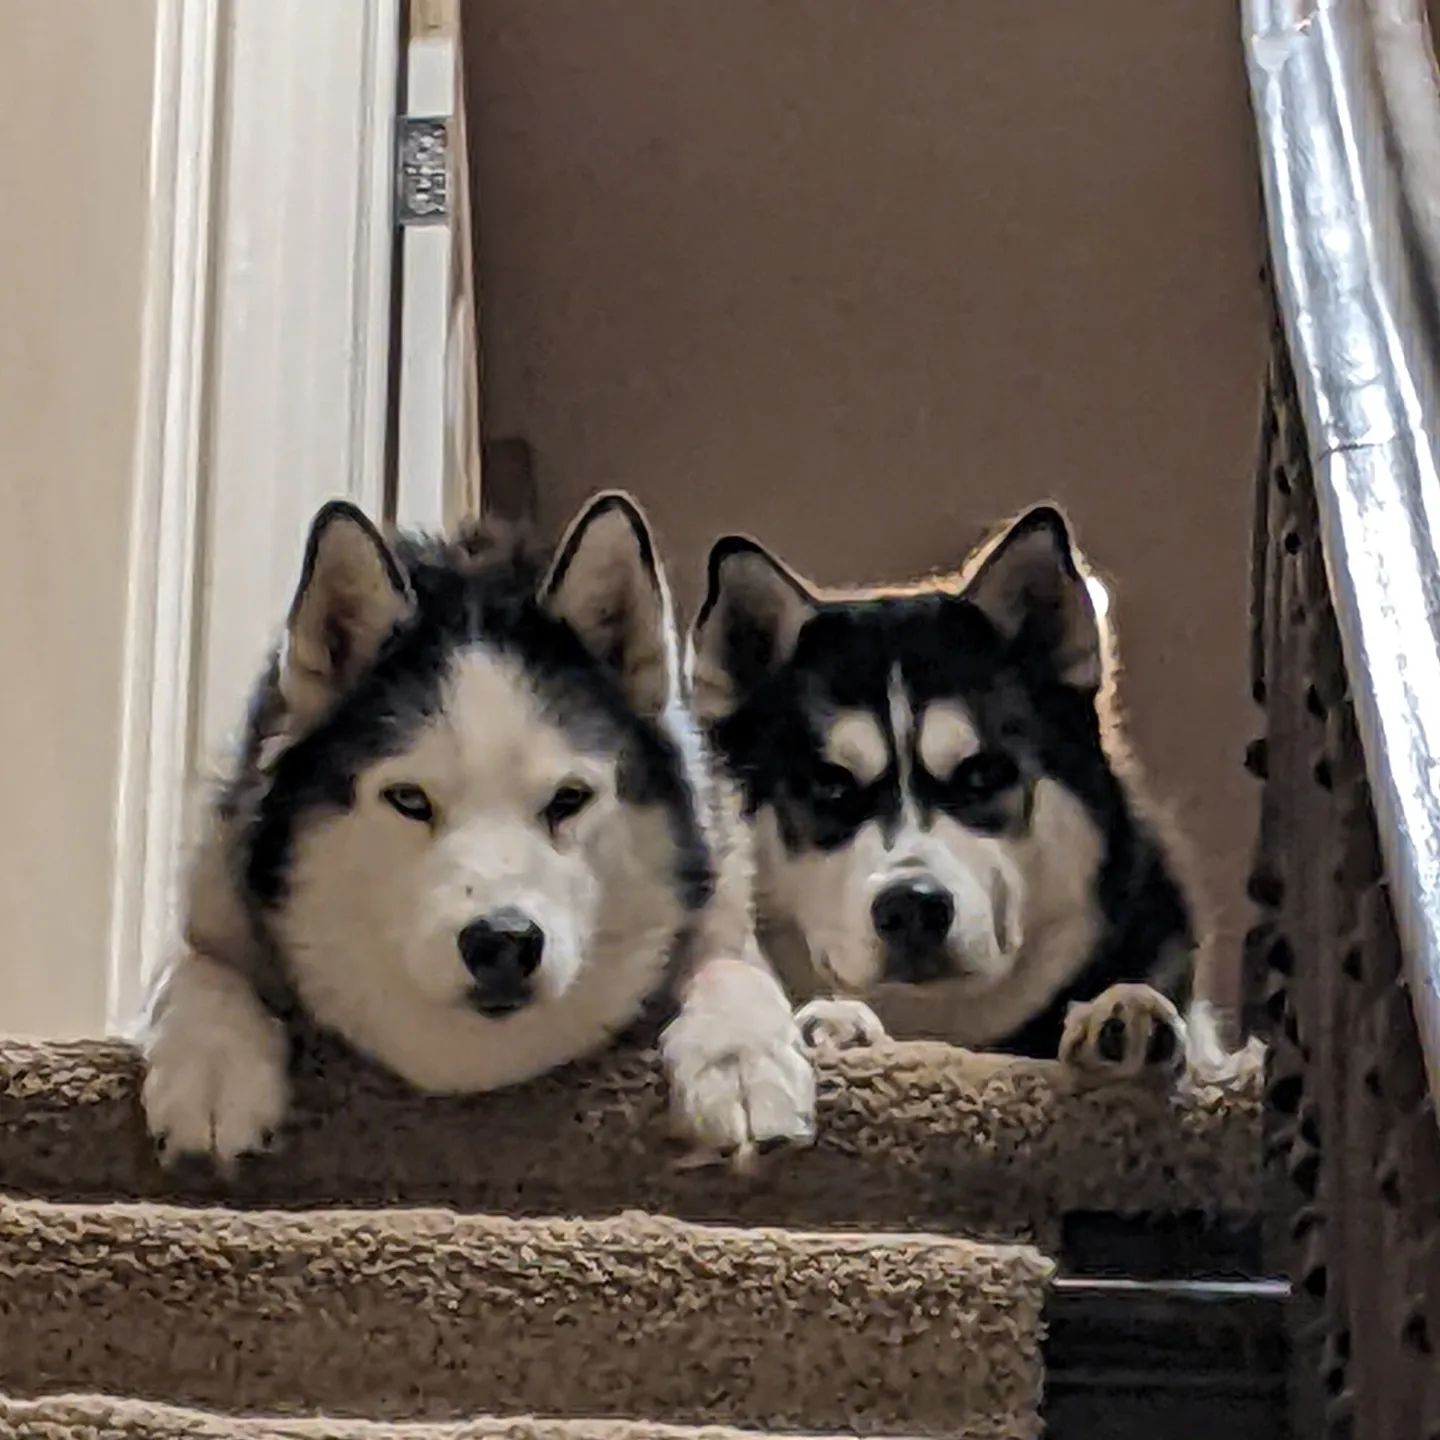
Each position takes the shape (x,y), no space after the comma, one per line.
(354,917)
(825,895)
(341,930)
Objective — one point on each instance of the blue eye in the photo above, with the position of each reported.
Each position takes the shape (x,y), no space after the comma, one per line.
(410,801)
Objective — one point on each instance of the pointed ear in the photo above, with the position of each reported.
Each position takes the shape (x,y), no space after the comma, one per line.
(352,594)
(754,610)
(607,587)
(1032,590)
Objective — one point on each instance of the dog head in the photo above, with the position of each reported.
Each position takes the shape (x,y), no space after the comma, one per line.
(916,763)
(470,799)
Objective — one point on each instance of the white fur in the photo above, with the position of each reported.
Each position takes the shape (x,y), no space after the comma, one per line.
(216,1082)
(837,1023)
(377,900)
(376,903)
(1025,916)
(738,1073)
(902,725)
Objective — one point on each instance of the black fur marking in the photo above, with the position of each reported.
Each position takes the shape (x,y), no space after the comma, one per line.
(749,642)
(1162,1045)
(464,596)
(604,506)
(1111,1041)
(1031,726)
(330,513)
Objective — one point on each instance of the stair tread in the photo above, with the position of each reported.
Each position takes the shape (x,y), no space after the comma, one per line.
(910,1135)
(431,1314)
(115,1418)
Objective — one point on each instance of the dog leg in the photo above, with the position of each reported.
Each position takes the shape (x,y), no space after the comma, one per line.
(740,1079)
(833,1024)
(739,1076)
(215,1082)
(1128,1032)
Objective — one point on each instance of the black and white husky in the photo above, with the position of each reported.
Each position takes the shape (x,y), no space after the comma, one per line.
(468,831)
(938,822)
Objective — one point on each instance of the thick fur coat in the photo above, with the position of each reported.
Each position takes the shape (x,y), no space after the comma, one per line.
(468,829)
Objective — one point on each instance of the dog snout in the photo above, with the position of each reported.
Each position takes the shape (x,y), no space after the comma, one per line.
(913,917)
(502,951)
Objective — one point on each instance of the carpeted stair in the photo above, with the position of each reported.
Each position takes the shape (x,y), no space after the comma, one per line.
(574,1272)
(99,1417)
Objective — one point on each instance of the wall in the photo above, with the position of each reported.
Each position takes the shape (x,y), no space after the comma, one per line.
(75,102)
(865,278)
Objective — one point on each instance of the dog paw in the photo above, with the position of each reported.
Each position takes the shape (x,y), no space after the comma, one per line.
(830,1025)
(1128,1032)
(740,1080)
(215,1083)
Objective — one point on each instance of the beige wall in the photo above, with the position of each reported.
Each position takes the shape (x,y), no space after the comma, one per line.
(75,99)
(866,277)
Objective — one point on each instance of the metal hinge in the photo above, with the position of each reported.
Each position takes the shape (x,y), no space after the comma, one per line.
(422,170)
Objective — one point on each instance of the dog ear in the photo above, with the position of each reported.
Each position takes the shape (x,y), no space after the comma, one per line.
(754,610)
(1032,590)
(607,587)
(351,596)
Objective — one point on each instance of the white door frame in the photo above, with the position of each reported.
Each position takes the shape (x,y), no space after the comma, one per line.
(437,357)
(265,390)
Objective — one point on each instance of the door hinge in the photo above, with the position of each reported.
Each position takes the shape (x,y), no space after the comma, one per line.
(422,170)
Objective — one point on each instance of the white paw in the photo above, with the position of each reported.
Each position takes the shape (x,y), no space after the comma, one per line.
(1128,1032)
(739,1077)
(830,1025)
(215,1081)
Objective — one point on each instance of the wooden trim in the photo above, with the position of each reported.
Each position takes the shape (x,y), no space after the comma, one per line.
(438,462)
(463,428)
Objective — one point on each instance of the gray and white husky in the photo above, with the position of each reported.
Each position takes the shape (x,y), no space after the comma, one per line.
(468,830)
(944,846)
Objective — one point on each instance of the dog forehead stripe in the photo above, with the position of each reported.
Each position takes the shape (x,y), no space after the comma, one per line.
(947,736)
(857,743)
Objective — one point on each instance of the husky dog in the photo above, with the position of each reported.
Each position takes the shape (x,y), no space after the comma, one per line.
(467,830)
(938,822)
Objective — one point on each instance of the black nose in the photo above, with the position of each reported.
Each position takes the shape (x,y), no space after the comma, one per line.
(912,917)
(501,950)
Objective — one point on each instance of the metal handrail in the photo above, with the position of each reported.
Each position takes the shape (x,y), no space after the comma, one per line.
(1347,111)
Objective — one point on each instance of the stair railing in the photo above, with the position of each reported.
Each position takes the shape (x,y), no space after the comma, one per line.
(1343,970)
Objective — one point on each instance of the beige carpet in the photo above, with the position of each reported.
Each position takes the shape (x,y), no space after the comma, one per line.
(911,1136)
(840,1298)
(428,1314)
(98,1417)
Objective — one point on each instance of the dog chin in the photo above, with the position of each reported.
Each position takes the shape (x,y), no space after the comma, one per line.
(962,980)
(488,1008)
(852,976)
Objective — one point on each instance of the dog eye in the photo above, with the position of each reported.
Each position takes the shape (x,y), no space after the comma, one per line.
(410,801)
(566,803)
(985,774)
(834,785)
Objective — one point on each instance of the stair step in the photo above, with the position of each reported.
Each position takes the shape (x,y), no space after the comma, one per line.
(910,1136)
(427,1314)
(1131,1359)
(103,1417)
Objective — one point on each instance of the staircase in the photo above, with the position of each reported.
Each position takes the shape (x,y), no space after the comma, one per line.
(972,1247)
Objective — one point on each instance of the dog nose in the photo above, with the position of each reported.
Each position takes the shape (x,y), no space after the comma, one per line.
(912,917)
(501,950)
